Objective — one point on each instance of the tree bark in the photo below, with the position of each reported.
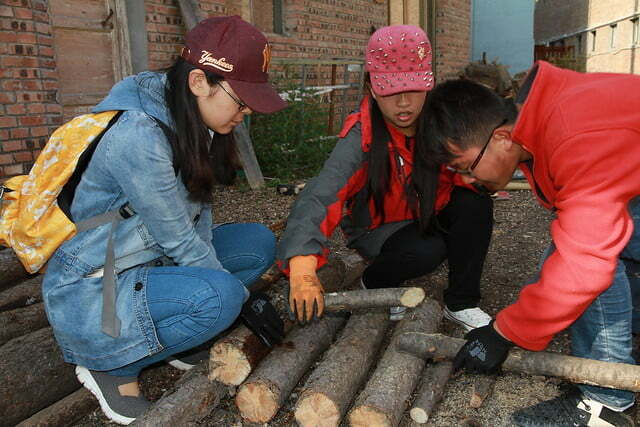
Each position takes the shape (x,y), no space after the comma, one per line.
(328,392)
(26,293)
(574,369)
(64,412)
(11,271)
(384,398)
(430,393)
(192,398)
(482,387)
(22,321)
(33,376)
(262,394)
(373,298)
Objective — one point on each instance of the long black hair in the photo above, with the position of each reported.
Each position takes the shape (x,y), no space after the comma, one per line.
(420,189)
(202,161)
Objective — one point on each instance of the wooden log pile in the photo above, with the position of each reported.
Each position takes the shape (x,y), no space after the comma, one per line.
(354,366)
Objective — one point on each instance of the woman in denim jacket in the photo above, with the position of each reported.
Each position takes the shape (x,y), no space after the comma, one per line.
(180,280)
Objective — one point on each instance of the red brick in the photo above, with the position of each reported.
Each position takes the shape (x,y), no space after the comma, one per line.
(13,145)
(54,108)
(12,170)
(4,134)
(7,98)
(43,28)
(22,13)
(18,133)
(40,131)
(51,85)
(16,109)
(31,120)
(8,122)
(18,3)
(6,11)
(23,156)
(17,61)
(11,85)
(46,51)
(6,159)
(31,85)
(35,108)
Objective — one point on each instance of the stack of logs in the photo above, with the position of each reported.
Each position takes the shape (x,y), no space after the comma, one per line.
(365,368)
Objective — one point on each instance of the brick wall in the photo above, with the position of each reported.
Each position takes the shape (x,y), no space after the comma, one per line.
(453,37)
(28,82)
(317,29)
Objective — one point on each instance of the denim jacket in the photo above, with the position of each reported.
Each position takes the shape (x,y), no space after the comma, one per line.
(132,163)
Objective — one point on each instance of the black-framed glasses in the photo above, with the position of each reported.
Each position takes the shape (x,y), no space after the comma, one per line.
(469,170)
(241,105)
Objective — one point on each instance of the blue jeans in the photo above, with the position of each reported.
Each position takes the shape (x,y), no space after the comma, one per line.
(604,330)
(191,305)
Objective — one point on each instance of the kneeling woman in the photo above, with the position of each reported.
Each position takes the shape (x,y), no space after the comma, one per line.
(179,280)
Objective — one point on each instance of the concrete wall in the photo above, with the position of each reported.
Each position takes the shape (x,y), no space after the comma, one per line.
(601,32)
(504,30)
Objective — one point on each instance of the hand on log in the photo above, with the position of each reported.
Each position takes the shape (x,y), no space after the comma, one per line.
(620,376)
(373,298)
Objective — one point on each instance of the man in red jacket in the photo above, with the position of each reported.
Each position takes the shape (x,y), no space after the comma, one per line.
(577,139)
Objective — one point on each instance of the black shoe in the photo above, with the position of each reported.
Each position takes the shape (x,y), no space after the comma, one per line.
(570,409)
(188,359)
(119,409)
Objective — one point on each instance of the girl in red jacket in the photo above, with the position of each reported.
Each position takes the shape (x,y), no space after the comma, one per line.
(368,186)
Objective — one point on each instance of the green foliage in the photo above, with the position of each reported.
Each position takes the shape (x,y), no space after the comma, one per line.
(293,143)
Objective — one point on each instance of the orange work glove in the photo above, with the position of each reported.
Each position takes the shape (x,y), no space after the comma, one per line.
(305,290)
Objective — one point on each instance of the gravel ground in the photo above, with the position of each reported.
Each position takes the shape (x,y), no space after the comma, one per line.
(520,235)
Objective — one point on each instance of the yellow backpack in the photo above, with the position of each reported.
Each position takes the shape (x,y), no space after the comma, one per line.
(34,208)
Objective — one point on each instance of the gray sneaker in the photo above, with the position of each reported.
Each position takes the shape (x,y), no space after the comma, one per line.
(119,409)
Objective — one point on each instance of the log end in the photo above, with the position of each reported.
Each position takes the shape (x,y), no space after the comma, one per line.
(228,365)
(316,409)
(412,297)
(419,415)
(256,402)
(366,416)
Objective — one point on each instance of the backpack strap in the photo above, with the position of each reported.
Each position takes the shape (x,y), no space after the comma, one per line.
(110,320)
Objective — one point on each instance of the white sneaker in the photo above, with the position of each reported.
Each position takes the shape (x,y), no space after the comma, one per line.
(469,318)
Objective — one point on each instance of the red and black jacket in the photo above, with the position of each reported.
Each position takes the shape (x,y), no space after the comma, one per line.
(337,195)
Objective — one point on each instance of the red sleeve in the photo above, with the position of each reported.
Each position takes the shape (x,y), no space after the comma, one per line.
(594,180)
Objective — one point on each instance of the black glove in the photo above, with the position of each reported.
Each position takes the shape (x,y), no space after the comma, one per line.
(484,351)
(259,315)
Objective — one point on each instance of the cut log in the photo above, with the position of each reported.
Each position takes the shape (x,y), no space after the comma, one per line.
(331,387)
(26,293)
(332,274)
(574,369)
(22,321)
(192,398)
(385,396)
(234,357)
(11,271)
(430,393)
(373,298)
(33,376)
(264,392)
(64,412)
(482,387)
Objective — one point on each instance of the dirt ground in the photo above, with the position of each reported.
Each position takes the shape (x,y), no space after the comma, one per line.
(520,235)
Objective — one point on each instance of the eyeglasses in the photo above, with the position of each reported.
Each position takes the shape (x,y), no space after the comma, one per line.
(242,107)
(469,170)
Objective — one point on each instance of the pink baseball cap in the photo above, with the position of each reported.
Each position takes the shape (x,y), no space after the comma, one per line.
(240,53)
(398,59)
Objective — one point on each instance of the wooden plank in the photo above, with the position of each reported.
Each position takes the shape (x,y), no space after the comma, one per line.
(248,157)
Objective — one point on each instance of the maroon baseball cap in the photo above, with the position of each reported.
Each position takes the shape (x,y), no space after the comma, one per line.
(399,60)
(240,53)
